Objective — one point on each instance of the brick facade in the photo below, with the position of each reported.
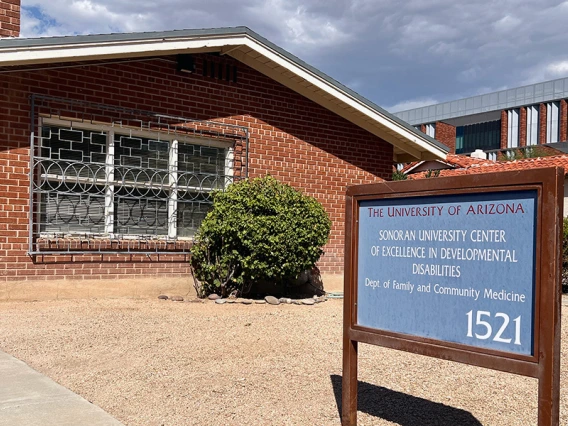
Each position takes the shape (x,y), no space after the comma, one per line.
(9,18)
(504,129)
(542,124)
(523,126)
(563,136)
(446,133)
(292,138)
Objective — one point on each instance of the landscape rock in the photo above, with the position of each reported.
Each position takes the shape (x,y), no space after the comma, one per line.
(286,300)
(229,300)
(308,302)
(220,301)
(260,302)
(176,299)
(163,297)
(271,300)
(296,302)
(246,302)
(213,296)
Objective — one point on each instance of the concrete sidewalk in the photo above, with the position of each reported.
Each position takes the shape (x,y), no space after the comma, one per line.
(30,398)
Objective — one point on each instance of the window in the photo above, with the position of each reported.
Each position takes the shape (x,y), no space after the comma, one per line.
(532,125)
(106,181)
(513,128)
(431,130)
(486,136)
(552,112)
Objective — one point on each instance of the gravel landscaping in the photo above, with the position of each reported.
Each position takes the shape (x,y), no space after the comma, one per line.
(158,362)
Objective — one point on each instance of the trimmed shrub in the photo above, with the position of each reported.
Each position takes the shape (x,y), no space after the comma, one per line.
(259,230)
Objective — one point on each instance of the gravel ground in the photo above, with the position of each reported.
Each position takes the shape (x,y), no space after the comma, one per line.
(152,362)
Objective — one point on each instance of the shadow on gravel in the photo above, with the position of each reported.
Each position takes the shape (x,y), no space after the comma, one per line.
(403,409)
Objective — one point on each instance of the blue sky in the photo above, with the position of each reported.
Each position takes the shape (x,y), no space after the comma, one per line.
(399,54)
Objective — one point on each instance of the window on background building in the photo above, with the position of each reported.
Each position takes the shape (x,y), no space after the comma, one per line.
(532,125)
(513,128)
(552,116)
(100,180)
(431,130)
(485,136)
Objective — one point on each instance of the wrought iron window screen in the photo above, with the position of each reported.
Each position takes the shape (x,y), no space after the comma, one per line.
(109,180)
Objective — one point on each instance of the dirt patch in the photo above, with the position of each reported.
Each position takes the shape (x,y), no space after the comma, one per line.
(153,362)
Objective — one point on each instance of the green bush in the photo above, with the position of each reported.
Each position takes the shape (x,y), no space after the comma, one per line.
(398,175)
(259,230)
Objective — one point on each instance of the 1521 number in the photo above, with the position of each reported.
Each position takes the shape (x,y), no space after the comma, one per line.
(487,330)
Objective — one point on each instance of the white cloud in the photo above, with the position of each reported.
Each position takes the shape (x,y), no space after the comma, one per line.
(558,69)
(299,26)
(506,24)
(546,71)
(411,104)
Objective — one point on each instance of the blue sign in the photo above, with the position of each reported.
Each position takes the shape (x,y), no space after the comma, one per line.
(456,268)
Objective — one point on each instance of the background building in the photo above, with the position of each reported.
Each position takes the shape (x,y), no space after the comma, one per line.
(515,118)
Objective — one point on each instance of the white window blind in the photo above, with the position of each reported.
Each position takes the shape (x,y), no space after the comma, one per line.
(552,115)
(513,128)
(532,125)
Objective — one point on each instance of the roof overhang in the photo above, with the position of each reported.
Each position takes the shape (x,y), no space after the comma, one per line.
(247,47)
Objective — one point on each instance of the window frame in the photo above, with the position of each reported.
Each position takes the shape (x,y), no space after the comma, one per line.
(111,184)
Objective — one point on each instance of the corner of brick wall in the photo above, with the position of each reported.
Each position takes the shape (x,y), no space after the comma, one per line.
(542,124)
(563,120)
(504,129)
(10,18)
(523,127)
(446,133)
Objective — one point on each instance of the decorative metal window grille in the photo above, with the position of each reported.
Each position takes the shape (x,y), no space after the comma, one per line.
(113,180)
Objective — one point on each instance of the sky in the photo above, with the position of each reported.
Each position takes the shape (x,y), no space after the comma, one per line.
(400,54)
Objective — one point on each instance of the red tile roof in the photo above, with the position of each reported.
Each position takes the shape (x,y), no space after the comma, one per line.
(474,166)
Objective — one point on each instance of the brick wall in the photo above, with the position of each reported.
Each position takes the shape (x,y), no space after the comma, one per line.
(563,136)
(446,133)
(9,18)
(504,129)
(523,126)
(292,138)
(542,124)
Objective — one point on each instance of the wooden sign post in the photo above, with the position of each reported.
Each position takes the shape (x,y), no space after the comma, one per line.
(466,268)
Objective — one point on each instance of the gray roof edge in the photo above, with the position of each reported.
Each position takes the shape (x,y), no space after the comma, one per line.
(6,43)
(526,101)
(10,43)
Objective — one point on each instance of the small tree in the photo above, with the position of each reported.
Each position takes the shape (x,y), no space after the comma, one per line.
(258,230)
(398,175)
(432,174)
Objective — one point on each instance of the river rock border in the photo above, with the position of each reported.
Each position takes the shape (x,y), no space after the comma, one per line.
(268,300)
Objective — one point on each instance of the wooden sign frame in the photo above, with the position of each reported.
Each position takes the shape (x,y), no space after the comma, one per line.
(544,364)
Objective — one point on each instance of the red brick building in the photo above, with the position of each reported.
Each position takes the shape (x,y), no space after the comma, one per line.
(111,145)
(499,123)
